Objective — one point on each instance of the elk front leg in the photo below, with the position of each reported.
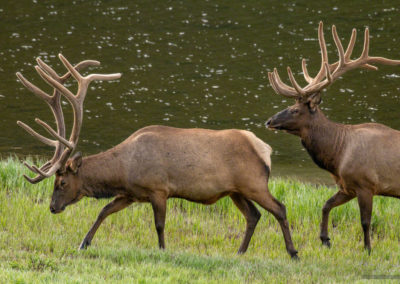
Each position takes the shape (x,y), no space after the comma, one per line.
(365,203)
(338,199)
(159,204)
(116,205)
(252,216)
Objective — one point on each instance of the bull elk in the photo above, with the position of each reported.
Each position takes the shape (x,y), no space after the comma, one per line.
(364,159)
(155,163)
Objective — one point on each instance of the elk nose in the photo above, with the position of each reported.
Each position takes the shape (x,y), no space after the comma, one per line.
(268,123)
(52,210)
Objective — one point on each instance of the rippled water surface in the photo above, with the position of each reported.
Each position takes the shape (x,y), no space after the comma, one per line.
(192,64)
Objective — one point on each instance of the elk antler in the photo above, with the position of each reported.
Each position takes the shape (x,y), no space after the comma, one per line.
(64,147)
(328,73)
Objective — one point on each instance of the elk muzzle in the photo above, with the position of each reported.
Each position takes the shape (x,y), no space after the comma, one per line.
(55,209)
(268,123)
(276,122)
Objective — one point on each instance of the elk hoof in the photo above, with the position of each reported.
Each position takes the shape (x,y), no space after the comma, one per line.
(241,250)
(294,256)
(84,244)
(326,242)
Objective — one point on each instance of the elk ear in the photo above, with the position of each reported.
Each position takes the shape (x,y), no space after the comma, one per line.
(75,162)
(313,101)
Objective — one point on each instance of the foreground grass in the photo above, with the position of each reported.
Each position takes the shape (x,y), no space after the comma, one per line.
(36,246)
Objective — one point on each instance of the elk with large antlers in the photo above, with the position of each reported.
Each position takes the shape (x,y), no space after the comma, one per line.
(364,159)
(155,163)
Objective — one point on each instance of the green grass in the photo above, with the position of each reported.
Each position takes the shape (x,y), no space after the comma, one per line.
(37,246)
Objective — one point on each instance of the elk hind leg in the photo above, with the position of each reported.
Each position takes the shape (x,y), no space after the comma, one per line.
(365,202)
(269,203)
(116,205)
(252,216)
(159,204)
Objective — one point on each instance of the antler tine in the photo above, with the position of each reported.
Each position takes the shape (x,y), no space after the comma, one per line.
(350,47)
(38,178)
(339,47)
(48,69)
(305,71)
(382,60)
(48,171)
(274,83)
(280,87)
(279,82)
(78,77)
(32,132)
(294,83)
(369,67)
(103,77)
(34,180)
(324,53)
(31,87)
(42,172)
(95,77)
(31,168)
(271,81)
(365,51)
(81,65)
(54,134)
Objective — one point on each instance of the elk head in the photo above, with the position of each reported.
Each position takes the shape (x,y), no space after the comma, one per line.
(306,109)
(67,185)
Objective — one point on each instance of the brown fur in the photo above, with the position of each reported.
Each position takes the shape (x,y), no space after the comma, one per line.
(158,162)
(364,159)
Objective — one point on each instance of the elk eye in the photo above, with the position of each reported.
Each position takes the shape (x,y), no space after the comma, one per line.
(63,182)
(294,111)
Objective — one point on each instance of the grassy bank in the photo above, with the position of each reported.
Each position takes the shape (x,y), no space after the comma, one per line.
(37,246)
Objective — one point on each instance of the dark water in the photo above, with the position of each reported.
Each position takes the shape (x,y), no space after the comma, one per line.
(192,64)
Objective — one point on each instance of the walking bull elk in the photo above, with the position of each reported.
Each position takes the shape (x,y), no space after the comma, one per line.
(155,163)
(364,159)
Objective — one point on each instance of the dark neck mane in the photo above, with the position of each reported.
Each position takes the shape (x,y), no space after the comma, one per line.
(324,141)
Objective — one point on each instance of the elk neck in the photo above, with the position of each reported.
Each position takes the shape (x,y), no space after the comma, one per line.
(100,175)
(325,141)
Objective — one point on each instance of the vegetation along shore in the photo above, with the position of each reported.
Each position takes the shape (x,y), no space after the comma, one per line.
(37,246)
